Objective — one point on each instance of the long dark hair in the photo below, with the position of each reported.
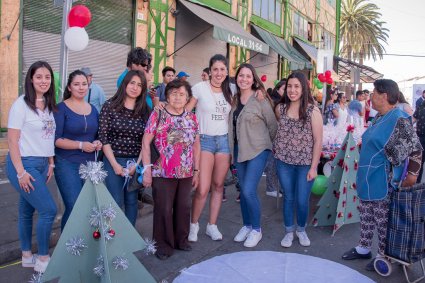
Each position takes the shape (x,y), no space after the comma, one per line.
(306,98)
(225,85)
(339,97)
(401,98)
(67,92)
(257,85)
(141,108)
(30,96)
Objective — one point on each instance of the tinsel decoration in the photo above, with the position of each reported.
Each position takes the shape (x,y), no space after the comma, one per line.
(75,245)
(150,248)
(120,262)
(94,217)
(36,277)
(109,213)
(93,171)
(99,269)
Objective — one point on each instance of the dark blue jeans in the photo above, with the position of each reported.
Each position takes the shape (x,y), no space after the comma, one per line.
(69,184)
(296,188)
(40,199)
(249,175)
(124,198)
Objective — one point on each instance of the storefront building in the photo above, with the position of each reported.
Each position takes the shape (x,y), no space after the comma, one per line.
(272,35)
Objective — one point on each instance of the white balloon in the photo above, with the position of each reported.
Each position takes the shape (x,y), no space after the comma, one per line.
(76,38)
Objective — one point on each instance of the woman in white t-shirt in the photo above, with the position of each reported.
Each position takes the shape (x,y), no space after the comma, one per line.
(213,103)
(29,164)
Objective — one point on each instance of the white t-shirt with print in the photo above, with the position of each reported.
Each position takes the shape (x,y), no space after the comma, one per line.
(37,131)
(212,110)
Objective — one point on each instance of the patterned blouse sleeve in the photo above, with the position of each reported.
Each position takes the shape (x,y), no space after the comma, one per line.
(152,123)
(105,123)
(404,143)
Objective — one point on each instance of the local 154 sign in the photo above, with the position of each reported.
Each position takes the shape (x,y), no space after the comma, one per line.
(240,40)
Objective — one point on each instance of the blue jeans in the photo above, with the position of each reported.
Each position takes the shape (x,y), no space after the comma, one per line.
(115,183)
(40,199)
(293,179)
(249,175)
(69,184)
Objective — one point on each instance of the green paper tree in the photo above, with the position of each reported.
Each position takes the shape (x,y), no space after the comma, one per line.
(78,256)
(339,204)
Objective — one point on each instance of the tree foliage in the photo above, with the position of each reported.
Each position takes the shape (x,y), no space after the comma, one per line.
(363,34)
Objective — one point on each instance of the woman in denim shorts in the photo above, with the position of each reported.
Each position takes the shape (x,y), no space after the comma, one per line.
(212,100)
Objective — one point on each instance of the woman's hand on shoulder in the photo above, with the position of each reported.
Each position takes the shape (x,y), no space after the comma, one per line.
(161,105)
(260,95)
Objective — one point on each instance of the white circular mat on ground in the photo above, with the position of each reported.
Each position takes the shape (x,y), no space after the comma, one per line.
(264,266)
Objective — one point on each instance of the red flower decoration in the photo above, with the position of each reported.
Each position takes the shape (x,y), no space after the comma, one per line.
(344,203)
(350,128)
(340,214)
(349,215)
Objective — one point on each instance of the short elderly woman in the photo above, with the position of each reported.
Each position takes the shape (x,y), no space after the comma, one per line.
(175,134)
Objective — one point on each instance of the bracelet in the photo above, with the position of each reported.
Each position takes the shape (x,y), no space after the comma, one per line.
(80,146)
(23,174)
(195,170)
(52,165)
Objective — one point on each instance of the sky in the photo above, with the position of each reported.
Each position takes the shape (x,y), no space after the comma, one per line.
(406,22)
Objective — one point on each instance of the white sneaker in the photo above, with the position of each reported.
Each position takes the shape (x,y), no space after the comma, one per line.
(253,238)
(287,240)
(303,238)
(29,261)
(242,234)
(40,266)
(213,232)
(193,232)
(273,194)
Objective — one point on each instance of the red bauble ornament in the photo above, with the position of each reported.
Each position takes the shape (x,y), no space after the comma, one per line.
(328,74)
(321,77)
(263,78)
(79,16)
(350,128)
(349,215)
(96,235)
(111,232)
(344,203)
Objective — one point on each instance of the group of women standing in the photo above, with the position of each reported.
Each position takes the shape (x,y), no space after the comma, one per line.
(233,123)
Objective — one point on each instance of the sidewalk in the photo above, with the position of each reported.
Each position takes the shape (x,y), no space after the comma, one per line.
(323,244)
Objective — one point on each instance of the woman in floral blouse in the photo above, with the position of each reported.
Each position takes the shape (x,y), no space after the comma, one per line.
(121,125)
(175,134)
(297,147)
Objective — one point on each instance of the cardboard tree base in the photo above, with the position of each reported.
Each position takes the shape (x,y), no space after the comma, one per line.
(339,204)
(71,268)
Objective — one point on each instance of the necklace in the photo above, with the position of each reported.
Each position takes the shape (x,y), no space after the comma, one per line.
(214,85)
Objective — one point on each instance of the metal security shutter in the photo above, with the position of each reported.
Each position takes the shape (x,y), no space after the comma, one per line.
(195,56)
(266,65)
(110,33)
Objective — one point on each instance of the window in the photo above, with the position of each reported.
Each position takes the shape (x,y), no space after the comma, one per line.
(300,26)
(269,10)
(328,40)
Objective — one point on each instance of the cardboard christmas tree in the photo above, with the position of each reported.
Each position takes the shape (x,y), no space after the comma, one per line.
(98,242)
(339,204)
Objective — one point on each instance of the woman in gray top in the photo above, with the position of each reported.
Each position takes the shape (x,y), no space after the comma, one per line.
(252,127)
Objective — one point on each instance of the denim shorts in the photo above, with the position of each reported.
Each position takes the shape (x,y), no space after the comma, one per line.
(215,144)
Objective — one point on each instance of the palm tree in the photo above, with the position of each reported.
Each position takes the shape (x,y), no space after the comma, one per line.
(362,31)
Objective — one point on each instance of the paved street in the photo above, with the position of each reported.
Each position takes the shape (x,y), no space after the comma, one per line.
(323,244)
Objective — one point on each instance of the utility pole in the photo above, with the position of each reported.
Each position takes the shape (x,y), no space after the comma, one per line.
(67,5)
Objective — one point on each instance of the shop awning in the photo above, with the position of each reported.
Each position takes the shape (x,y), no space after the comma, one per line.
(284,49)
(227,29)
(308,48)
(367,74)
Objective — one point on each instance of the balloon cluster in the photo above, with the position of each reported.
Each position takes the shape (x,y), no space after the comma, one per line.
(76,37)
(323,78)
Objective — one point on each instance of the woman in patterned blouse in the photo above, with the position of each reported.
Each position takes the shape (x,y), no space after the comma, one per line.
(297,147)
(121,126)
(175,133)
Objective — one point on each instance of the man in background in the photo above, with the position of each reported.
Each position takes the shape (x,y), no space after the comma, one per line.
(182,75)
(205,76)
(96,95)
(168,74)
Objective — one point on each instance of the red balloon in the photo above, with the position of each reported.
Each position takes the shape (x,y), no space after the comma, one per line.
(321,77)
(79,16)
(328,74)
(329,81)
(263,78)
